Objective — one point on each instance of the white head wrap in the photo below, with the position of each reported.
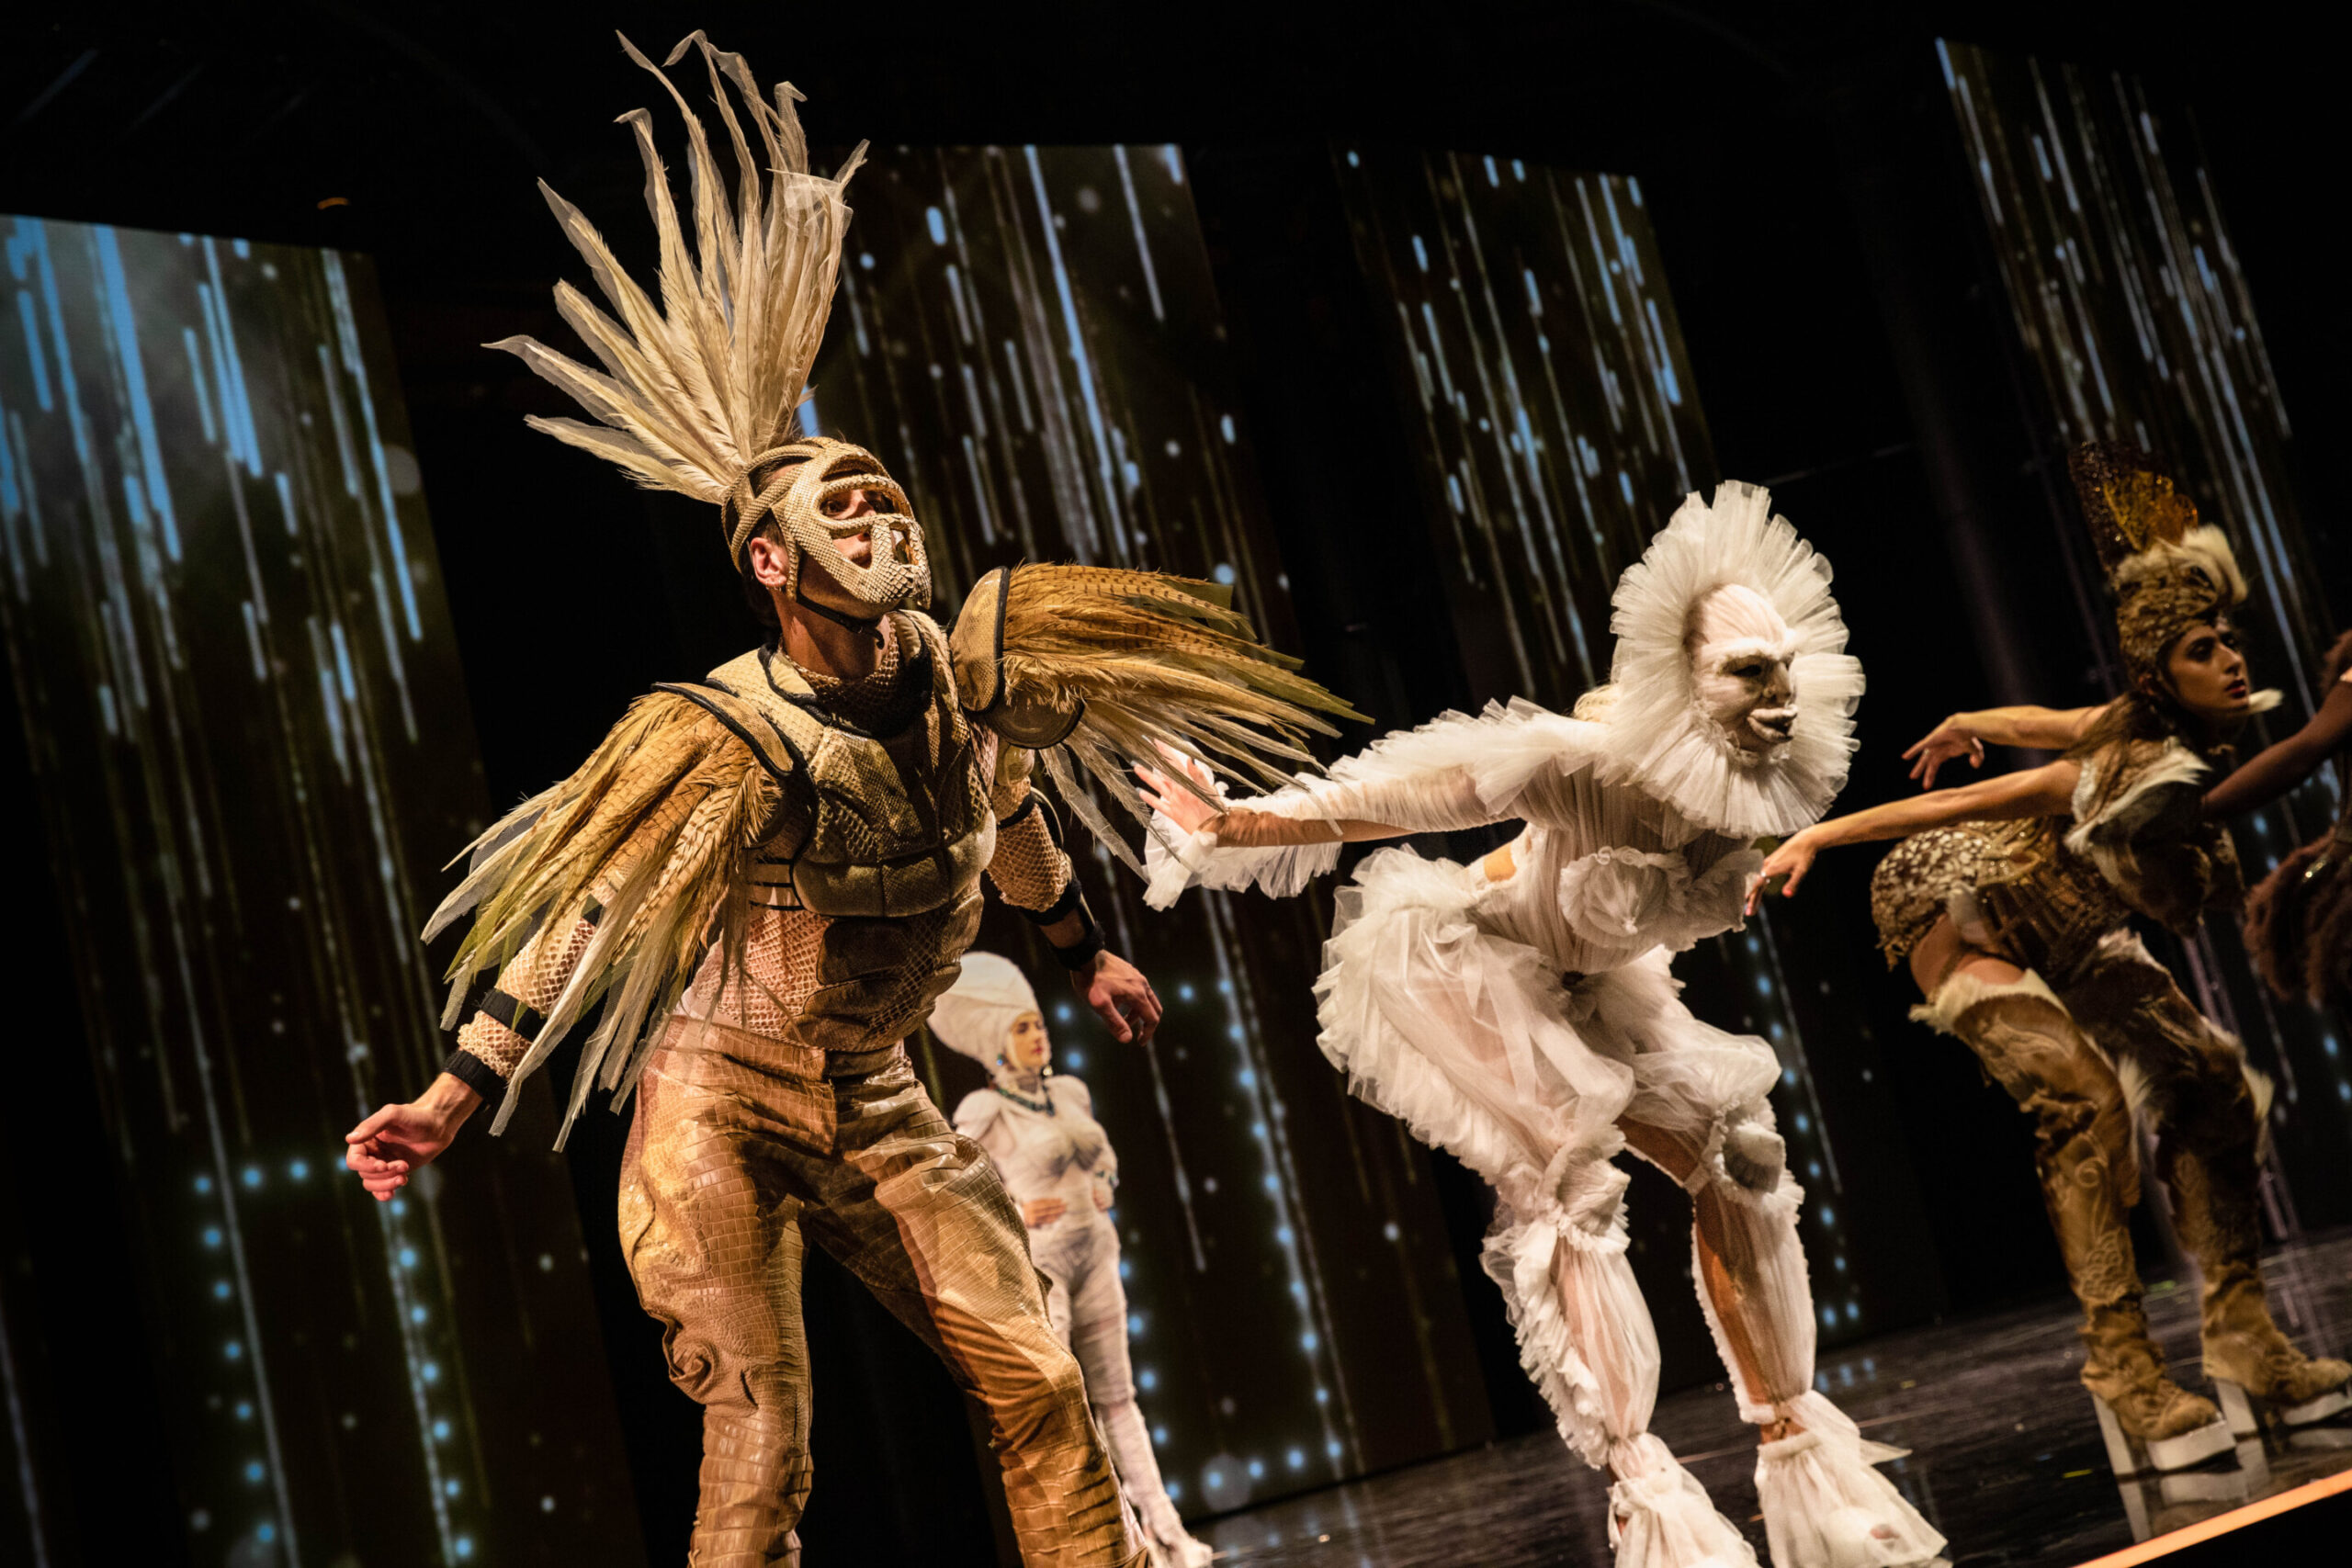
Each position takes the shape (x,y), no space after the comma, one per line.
(976,1017)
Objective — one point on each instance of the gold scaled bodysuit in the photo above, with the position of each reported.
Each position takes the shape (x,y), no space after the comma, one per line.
(778,1107)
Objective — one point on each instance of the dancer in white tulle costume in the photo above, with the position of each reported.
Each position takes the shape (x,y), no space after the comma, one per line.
(1521,1014)
(1039,1127)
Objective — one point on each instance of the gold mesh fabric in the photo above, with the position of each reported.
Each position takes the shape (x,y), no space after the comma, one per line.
(732,1166)
(1029,868)
(535,976)
(2043,907)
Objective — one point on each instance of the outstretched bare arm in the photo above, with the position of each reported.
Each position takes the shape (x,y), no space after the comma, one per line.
(2275,770)
(2039,792)
(1967,735)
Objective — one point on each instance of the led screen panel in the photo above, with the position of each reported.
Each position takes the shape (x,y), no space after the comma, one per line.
(1030,339)
(243,701)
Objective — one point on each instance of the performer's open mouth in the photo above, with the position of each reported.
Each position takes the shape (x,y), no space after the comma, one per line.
(1773,723)
(2237,689)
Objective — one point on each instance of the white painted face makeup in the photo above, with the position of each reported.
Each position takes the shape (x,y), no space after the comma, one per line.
(1741,682)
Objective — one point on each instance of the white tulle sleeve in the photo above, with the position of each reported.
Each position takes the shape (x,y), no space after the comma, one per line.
(1454,772)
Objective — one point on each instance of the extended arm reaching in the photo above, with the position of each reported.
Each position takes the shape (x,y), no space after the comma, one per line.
(2046,791)
(2277,769)
(1967,735)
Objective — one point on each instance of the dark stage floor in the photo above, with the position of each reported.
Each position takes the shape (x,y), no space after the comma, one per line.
(2005,1453)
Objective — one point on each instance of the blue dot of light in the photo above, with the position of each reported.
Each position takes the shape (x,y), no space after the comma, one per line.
(1829,1317)
(266,1532)
(1805,1123)
(1389,1231)
(1297,1460)
(1185,992)
(1175,1488)
(1075,1058)
(212,1235)
(1247,1078)
(1333,1448)
(1147,1379)
(1273,1183)
(1257,1129)
(441,1427)
(399,1207)
(1061,1011)
(1257,1468)
(1159,1434)
(1307,1341)
(204,1184)
(451,1488)
(1127,1269)
(253,1471)
(1224,573)
(234,1350)
(416,1315)
(1828,1216)
(1322,1396)
(430,1372)
(1134,1323)
(547,1505)
(299,1169)
(408,1257)
(1282,1235)
(252,1176)
(221,1290)
(1853,1311)
(245,1410)
(1215,1478)
(463,1546)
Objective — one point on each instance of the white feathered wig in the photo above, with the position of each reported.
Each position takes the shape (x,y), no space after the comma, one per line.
(1659,738)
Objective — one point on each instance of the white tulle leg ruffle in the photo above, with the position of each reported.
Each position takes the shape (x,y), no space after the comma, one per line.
(1659,1516)
(1824,1505)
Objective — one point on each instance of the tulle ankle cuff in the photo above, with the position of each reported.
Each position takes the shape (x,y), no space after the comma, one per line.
(1825,1507)
(1659,1516)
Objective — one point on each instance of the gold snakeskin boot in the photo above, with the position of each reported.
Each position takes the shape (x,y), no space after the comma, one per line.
(2245,1352)
(2125,1371)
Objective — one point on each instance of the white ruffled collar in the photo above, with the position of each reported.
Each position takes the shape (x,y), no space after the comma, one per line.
(1657,738)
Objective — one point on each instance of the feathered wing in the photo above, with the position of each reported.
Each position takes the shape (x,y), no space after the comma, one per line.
(1098,669)
(698,384)
(649,839)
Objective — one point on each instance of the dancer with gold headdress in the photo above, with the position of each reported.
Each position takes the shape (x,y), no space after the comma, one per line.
(767,876)
(2010,899)
(1521,1013)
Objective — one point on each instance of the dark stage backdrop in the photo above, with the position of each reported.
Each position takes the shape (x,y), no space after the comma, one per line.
(1029,337)
(1555,427)
(241,696)
(2133,319)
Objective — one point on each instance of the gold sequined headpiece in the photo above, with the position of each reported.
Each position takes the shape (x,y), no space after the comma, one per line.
(2169,571)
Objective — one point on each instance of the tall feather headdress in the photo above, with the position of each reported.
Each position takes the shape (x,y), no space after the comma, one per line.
(697,389)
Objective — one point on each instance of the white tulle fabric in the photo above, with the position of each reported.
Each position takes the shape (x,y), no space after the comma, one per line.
(1824,1505)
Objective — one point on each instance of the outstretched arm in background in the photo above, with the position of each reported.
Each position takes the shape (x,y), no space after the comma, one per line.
(1967,735)
(2278,768)
(2039,792)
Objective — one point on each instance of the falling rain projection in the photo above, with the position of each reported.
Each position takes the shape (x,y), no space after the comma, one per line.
(1030,339)
(242,702)
(2138,325)
(1552,408)
(1542,375)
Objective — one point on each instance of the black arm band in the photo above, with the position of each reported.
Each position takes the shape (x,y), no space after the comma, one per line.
(475,1074)
(1081,954)
(1073,897)
(511,1013)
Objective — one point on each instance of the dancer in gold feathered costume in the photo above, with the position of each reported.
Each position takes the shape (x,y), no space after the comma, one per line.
(767,876)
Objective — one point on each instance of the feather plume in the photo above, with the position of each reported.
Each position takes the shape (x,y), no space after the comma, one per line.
(1157,661)
(656,827)
(695,387)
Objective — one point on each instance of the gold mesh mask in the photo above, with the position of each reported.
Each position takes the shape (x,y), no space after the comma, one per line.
(809,474)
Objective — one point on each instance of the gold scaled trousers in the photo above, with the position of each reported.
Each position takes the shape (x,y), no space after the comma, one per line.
(745,1148)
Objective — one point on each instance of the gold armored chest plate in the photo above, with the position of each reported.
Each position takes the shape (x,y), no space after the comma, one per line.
(871,826)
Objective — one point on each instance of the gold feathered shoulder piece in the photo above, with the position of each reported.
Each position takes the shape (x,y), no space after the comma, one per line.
(645,842)
(1105,669)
